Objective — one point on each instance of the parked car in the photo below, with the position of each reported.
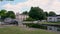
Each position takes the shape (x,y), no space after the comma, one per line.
(10,21)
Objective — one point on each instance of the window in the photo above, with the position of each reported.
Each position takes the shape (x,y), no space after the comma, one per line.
(58,19)
(50,28)
(50,18)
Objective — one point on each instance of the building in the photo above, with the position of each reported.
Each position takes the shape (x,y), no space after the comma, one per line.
(21,17)
(53,18)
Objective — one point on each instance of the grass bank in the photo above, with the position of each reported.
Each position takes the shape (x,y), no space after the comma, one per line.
(18,30)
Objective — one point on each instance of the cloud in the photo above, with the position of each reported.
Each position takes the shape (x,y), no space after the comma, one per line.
(46,5)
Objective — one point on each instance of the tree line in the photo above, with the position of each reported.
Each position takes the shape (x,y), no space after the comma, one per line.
(6,14)
(37,13)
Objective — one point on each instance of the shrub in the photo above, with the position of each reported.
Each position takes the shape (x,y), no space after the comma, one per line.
(29,19)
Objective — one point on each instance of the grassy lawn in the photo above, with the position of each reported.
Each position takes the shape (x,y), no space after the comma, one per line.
(18,30)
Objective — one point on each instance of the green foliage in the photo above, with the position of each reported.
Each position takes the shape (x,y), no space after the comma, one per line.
(11,14)
(30,19)
(46,13)
(3,14)
(36,13)
(51,13)
(25,12)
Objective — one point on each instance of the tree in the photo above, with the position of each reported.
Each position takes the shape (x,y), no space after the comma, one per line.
(25,12)
(46,13)
(30,19)
(36,13)
(10,14)
(3,14)
(51,13)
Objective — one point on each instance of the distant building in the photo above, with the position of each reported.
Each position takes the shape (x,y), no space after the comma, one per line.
(21,17)
(53,18)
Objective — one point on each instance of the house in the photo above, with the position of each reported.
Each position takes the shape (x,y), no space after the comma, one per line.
(21,17)
(53,18)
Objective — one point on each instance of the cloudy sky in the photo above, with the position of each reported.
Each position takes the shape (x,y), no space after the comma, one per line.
(25,5)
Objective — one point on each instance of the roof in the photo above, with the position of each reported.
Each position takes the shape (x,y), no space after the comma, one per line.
(57,15)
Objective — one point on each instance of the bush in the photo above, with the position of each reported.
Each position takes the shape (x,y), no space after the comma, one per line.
(35,25)
(29,19)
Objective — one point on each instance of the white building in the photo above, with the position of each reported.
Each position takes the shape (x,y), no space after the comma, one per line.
(21,17)
(53,18)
